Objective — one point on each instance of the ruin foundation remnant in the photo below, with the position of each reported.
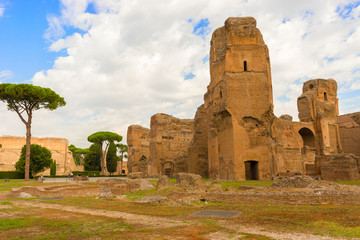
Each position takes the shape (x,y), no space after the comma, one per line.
(235,134)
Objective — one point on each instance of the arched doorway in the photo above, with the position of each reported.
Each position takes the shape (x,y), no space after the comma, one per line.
(252,170)
(308,138)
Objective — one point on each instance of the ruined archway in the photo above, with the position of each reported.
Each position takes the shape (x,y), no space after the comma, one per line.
(252,170)
(308,138)
(168,169)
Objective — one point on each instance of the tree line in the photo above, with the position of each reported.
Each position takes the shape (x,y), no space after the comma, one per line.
(24,99)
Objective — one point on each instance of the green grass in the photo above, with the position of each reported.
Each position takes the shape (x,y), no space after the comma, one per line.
(356,183)
(255,236)
(64,229)
(140,194)
(13,223)
(16,183)
(335,229)
(235,184)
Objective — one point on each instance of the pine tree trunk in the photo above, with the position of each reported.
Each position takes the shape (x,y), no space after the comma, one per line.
(121,165)
(102,159)
(27,158)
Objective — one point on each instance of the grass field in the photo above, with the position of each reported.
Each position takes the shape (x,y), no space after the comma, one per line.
(30,222)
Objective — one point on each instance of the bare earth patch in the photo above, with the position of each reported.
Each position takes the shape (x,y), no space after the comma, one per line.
(238,231)
(148,221)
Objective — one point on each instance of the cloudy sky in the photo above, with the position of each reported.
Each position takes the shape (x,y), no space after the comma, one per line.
(118,62)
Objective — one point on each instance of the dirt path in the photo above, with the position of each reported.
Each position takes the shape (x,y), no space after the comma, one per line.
(148,221)
(272,234)
(159,222)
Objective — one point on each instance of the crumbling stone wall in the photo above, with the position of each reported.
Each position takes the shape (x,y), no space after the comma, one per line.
(239,102)
(340,167)
(138,141)
(291,153)
(169,141)
(319,104)
(11,150)
(236,134)
(349,126)
(198,148)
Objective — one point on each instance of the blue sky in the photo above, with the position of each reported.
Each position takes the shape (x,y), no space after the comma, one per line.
(23,49)
(117,63)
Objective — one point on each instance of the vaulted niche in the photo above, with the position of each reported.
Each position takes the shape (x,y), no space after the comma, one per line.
(325,96)
(245,66)
(252,170)
(308,138)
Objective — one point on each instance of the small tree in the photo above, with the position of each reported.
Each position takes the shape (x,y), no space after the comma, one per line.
(122,148)
(24,99)
(40,159)
(53,169)
(78,154)
(104,138)
(92,158)
(111,158)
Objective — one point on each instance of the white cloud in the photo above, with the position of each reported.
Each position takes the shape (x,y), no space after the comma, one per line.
(5,75)
(130,58)
(2,9)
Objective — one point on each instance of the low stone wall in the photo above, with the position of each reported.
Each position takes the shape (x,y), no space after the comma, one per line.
(341,167)
(64,190)
(304,196)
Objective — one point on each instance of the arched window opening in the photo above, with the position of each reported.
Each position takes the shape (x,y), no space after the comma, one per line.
(245,66)
(168,169)
(308,138)
(252,170)
(325,96)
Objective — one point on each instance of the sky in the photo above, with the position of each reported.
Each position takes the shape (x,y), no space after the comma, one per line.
(118,62)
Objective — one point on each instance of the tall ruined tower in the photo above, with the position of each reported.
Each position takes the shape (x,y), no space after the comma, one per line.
(319,104)
(239,103)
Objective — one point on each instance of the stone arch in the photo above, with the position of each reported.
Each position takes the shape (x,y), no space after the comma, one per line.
(308,138)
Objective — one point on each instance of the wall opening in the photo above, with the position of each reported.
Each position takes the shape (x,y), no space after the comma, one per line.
(168,169)
(325,96)
(168,172)
(245,66)
(252,170)
(308,138)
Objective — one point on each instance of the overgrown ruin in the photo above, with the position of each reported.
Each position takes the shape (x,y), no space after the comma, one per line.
(235,134)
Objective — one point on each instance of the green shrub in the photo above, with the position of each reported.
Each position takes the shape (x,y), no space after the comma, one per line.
(53,169)
(87,173)
(11,175)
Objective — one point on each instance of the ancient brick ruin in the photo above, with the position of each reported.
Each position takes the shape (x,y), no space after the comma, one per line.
(235,134)
(10,151)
